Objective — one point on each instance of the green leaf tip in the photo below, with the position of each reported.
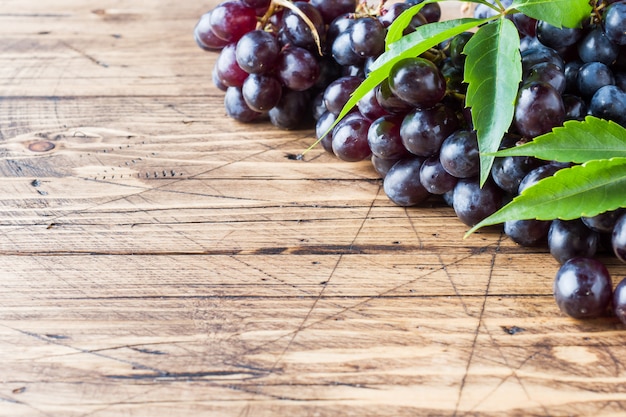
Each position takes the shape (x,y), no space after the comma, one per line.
(575,141)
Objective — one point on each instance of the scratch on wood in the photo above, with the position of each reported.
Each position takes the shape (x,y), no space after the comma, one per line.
(477,330)
(86,55)
(135,365)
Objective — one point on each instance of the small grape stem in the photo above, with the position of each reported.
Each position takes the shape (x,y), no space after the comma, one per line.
(456,95)
(597,11)
(266,17)
(363,8)
(289,5)
(434,55)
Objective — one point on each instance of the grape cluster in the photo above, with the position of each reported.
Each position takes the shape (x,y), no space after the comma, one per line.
(414,126)
(567,75)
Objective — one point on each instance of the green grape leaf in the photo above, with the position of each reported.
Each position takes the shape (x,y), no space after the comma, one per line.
(576,141)
(559,13)
(412,45)
(582,190)
(493,70)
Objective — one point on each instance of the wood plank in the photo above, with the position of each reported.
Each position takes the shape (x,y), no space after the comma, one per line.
(158,258)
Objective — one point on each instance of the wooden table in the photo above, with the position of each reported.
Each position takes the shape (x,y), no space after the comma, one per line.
(160,259)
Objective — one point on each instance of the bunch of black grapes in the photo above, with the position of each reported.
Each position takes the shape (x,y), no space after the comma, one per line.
(414,126)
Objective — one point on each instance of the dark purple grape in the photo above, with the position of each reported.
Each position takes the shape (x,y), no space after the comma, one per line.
(402,184)
(382,166)
(473,203)
(528,43)
(509,171)
(297,68)
(324,122)
(298,31)
(331,9)
(434,178)
(292,111)
(583,288)
(620,80)
(389,101)
(615,23)
(592,76)
(557,38)
(596,47)
(330,70)
(525,25)
(318,105)
(384,138)
(548,73)
(527,233)
(448,198)
(569,239)
(204,35)
(536,55)
(230,20)
(571,76)
(236,106)
(391,12)
(575,107)
(609,103)
(423,131)
(418,82)
(339,25)
(603,222)
(368,36)
(619,300)
(338,92)
(261,92)
(350,138)
(343,53)
(369,106)
(257,52)
(618,238)
(538,109)
(216,79)
(227,69)
(459,154)
(538,174)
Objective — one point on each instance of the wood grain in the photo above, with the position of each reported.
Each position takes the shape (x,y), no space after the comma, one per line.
(158,258)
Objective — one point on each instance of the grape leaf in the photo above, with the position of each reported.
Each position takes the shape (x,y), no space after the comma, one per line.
(582,190)
(559,13)
(411,45)
(493,70)
(575,141)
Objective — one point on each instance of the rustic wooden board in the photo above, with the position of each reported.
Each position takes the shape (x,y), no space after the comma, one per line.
(158,258)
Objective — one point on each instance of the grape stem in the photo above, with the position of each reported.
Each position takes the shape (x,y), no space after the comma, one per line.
(266,17)
(289,5)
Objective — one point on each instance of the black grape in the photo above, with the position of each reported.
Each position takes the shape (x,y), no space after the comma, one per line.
(402,184)
(583,288)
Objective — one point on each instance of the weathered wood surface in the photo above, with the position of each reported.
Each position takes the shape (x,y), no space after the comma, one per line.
(160,259)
